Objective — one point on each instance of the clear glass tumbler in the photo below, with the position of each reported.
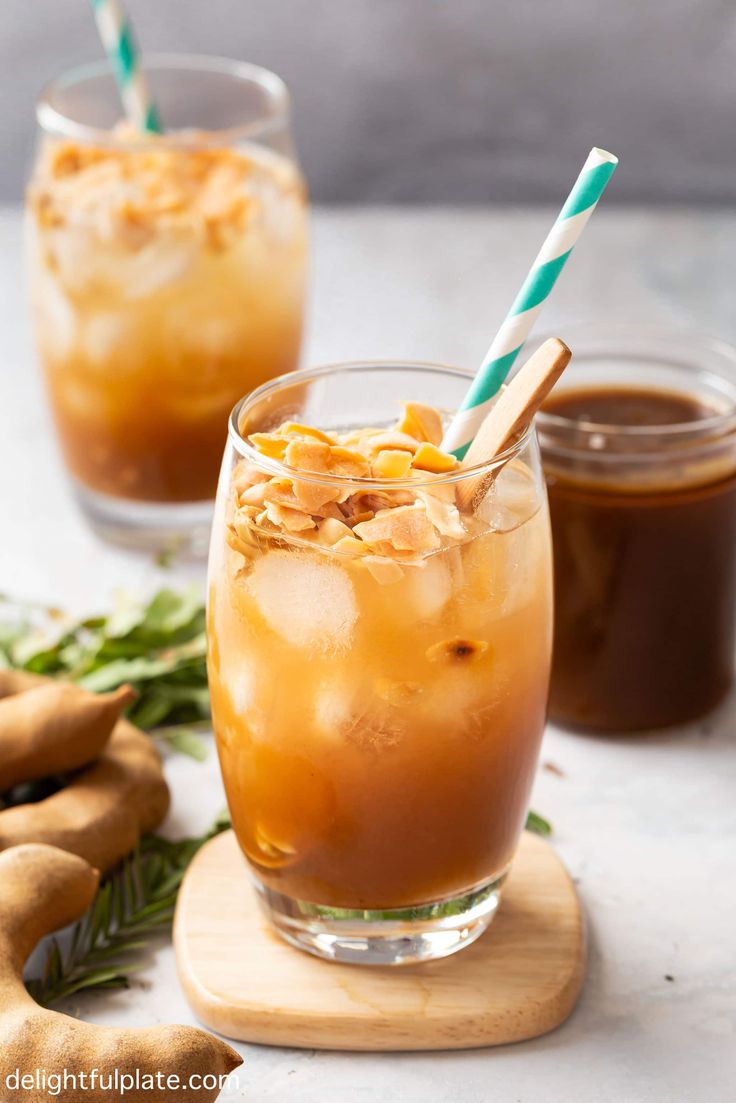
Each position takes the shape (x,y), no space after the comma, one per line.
(167,277)
(378,717)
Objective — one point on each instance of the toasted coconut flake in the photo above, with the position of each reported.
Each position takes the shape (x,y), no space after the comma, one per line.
(384,570)
(405,528)
(293,520)
(281,491)
(329,509)
(330,531)
(391,439)
(361,518)
(444,516)
(296,429)
(358,438)
(247,474)
(373,501)
(401,525)
(237,543)
(348,545)
(243,522)
(350,464)
(422,422)
(265,525)
(254,495)
(269,444)
(428,457)
(308,455)
(313,497)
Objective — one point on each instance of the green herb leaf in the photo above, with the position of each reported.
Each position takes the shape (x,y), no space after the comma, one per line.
(158,646)
(184,741)
(538,824)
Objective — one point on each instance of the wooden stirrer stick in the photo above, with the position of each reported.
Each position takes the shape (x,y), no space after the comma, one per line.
(514,409)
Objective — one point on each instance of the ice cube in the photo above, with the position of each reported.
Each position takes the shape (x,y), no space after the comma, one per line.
(374,730)
(56,321)
(428,587)
(503,519)
(334,708)
(513,499)
(197,406)
(345,712)
(305,599)
(71,262)
(242,689)
(466,701)
(501,570)
(104,332)
(84,263)
(275,188)
(81,399)
(204,333)
(163,261)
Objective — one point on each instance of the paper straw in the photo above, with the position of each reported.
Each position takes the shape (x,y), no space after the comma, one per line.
(508,342)
(118,39)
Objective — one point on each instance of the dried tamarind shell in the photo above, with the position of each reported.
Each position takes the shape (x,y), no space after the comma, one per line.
(106,807)
(54,728)
(43,889)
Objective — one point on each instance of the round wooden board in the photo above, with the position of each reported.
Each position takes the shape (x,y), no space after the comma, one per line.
(519,980)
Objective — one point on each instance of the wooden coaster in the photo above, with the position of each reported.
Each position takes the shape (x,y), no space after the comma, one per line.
(520,979)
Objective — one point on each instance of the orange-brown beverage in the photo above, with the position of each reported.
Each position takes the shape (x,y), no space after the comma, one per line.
(378,661)
(166,278)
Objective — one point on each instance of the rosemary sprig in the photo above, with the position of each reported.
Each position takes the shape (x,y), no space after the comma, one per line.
(132,905)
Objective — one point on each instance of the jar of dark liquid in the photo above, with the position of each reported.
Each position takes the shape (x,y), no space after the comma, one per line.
(639,450)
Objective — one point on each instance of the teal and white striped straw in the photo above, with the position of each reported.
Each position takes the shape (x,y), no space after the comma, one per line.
(117,36)
(508,342)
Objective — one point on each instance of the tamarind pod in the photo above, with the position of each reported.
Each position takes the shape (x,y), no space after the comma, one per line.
(42,889)
(102,813)
(18,681)
(54,728)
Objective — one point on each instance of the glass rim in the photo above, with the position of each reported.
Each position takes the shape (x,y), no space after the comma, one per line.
(714,425)
(55,122)
(459,474)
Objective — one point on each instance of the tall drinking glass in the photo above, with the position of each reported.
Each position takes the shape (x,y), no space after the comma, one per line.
(167,277)
(378,706)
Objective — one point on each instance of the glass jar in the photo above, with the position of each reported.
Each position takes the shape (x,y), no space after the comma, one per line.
(378,716)
(167,277)
(642,497)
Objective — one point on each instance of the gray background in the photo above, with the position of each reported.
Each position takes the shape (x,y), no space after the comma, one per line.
(442,100)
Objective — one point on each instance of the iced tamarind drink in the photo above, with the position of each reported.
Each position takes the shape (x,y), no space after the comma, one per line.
(378,660)
(166,277)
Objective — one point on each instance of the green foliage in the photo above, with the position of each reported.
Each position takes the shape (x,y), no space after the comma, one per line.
(159,647)
(538,824)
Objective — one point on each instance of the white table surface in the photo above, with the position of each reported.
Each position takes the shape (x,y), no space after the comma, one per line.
(647,826)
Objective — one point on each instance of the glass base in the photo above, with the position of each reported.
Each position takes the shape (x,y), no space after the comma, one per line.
(402,936)
(179,529)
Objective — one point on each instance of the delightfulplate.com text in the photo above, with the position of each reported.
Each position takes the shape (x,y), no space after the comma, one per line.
(115,1081)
